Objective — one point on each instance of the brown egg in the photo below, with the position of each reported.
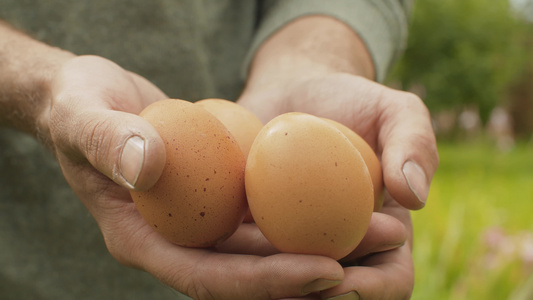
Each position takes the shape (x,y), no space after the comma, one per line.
(371,160)
(308,187)
(242,123)
(199,200)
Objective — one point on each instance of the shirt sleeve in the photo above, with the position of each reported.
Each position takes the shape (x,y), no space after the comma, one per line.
(381,24)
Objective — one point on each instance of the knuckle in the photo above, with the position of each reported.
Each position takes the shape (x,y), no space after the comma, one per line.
(413,102)
(59,120)
(92,140)
(80,133)
(395,99)
(186,279)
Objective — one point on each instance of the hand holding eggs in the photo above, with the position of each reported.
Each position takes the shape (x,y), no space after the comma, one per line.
(306,180)
(199,200)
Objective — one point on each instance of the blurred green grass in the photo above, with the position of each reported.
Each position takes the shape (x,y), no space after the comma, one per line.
(474,238)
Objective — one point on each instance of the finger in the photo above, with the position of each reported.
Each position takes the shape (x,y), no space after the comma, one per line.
(402,214)
(228,276)
(386,276)
(122,146)
(314,296)
(409,149)
(248,239)
(384,233)
(147,90)
(202,274)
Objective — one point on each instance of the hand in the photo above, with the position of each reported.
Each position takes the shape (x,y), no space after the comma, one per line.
(320,66)
(380,267)
(397,125)
(104,149)
(291,73)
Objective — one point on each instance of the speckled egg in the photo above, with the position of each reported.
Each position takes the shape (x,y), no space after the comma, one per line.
(371,161)
(242,123)
(200,199)
(308,187)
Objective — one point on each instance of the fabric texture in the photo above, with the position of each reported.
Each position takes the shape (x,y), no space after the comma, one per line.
(50,246)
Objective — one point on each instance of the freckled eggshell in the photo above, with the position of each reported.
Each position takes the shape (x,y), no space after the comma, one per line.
(199,200)
(371,160)
(242,123)
(308,188)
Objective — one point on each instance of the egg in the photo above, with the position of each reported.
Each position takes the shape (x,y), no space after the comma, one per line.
(371,161)
(200,199)
(308,187)
(241,122)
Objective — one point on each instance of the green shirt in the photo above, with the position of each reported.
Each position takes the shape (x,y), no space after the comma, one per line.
(50,246)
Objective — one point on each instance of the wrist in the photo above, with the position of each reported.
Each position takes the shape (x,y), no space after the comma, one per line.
(305,50)
(25,77)
(309,46)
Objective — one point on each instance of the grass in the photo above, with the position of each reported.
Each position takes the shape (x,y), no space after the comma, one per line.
(474,239)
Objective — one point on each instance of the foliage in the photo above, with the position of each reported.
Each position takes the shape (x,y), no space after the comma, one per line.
(464,53)
(474,238)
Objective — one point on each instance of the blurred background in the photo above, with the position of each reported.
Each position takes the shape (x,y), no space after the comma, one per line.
(471,61)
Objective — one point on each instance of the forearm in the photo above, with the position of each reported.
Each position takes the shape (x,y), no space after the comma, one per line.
(307,49)
(26,69)
(310,45)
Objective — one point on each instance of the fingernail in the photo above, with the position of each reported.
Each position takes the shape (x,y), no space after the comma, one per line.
(132,159)
(416,179)
(383,248)
(319,285)
(353,295)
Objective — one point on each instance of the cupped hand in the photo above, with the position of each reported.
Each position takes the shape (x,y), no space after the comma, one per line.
(105,149)
(397,126)
(394,123)
(381,267)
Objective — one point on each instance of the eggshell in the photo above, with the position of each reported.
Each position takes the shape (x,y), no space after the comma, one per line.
(371,161)
(308,187)
(242,123)
(199,200)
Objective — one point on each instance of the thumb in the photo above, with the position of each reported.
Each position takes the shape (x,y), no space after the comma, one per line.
(409,155)
(120,145)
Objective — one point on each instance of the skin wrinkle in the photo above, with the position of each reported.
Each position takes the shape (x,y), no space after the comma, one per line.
(134,256)
(382,119)
(56,115)
(117,175)
(116,172)
(42,130)
(376,262)
(199,287)
(268,289)
(367,129)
